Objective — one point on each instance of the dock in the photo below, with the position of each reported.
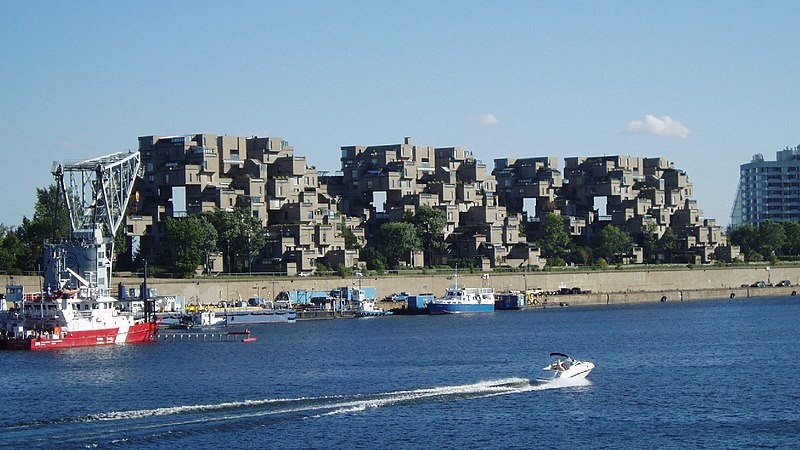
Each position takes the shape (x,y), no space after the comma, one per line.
(205,336)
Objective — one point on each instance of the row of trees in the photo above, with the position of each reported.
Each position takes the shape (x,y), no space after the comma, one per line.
(190,240)
(611,246)
(240,238)
(768,240)
(420,231)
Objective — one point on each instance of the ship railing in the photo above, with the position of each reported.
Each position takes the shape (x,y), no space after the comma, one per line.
(10,315)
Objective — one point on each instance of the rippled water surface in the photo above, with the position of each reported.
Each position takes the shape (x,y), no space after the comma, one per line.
(719,374)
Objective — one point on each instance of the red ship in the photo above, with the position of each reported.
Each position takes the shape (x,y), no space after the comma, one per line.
(77,309)
(76,318)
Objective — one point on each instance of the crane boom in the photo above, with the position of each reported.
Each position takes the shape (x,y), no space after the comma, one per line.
(97,190)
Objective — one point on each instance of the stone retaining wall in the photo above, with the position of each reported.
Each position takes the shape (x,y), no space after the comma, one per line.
(608,287)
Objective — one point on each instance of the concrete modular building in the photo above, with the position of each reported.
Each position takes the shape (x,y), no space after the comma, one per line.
(385,182)
(306,211)
(632,193)
(200,173)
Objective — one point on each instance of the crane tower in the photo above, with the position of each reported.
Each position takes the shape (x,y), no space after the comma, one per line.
(96,192)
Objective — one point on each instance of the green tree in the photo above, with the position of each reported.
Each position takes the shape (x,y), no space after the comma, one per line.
(374,259)
(351,241)
(745,237)
(12,250)
(581,255)
(51,212)
(239,235)
(556,241)
(649,241)
(792,231)
(668,244)
(614,243)
(50,220)
(429,223)
(771,238)
(397,240)
(189,240)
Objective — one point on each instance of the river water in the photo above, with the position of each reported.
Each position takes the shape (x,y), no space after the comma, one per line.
(703,374)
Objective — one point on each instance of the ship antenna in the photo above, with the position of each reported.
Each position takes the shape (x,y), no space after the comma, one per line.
(146,294)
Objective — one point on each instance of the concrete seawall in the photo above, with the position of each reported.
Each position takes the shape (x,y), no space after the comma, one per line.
(619,298)
(608,287)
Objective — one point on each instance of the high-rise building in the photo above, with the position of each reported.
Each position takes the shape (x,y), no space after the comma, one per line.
(768,190)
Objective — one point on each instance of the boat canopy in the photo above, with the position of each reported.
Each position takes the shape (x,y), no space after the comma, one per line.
(560,354)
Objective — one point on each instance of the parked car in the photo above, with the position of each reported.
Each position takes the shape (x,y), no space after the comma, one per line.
(759,284)
(785,283)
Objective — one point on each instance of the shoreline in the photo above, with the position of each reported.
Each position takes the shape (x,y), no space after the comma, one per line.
(630,285)
(658,296)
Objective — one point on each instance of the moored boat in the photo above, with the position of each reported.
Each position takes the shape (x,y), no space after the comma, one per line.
(70,318)
(206,318)
(367,307)
(75,307)
(253,316)
(459,299)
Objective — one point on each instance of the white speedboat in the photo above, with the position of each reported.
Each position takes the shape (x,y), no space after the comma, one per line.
(566,368)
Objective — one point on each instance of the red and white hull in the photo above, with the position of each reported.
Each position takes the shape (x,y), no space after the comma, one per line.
(135,334)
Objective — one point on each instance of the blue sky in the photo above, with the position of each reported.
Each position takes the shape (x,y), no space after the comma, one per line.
(705,84)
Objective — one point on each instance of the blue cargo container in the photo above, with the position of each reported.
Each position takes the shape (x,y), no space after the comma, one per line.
(305,297)
(419,303)
(509,300)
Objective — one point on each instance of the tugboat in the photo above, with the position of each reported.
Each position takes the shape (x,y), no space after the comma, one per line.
(76,309)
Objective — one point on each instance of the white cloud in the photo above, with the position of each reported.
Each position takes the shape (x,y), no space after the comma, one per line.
(660,126)
(488,119)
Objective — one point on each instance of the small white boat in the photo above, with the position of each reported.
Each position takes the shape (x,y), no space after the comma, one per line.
(207,318)
(367,307)
(566,368)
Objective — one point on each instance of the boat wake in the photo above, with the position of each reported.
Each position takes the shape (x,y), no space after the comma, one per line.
(130,427)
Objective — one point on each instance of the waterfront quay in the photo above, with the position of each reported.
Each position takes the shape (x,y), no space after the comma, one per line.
(608,287)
